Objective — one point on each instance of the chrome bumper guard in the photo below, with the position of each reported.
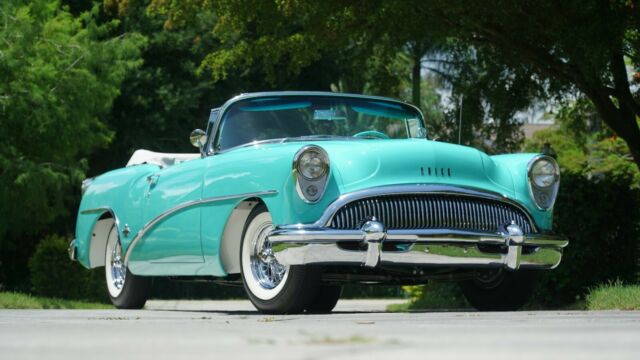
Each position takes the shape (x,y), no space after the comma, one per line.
(72,250)
(301,245)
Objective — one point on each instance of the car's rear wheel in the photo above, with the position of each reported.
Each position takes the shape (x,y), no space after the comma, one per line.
(500,290)
(126,290)
(271,286)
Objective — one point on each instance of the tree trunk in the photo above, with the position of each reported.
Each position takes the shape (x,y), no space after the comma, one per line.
(620,118)
(632,139)
(416,79)
(625,125)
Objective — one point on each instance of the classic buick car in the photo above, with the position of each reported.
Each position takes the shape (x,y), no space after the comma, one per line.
(294,194)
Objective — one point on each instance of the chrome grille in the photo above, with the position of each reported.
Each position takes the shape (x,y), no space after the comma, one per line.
(431,211)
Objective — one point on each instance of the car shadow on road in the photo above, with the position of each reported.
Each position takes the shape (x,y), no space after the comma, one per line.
(339,312)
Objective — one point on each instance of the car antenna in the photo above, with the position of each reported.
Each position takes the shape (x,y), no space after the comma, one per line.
(460,122)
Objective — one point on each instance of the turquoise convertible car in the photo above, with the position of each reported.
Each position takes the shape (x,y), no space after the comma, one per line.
(294,194)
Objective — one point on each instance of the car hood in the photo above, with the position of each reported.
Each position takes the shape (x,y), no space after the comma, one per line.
(359,164)
(383,162)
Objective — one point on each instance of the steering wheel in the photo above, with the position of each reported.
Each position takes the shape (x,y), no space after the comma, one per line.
(372,133)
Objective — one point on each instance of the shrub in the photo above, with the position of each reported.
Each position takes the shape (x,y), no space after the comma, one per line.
(54,275)
(601,217)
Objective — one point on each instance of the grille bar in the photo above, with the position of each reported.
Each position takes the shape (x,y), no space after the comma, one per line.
(431,211)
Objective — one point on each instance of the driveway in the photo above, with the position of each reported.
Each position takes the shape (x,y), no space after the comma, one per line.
(359,329)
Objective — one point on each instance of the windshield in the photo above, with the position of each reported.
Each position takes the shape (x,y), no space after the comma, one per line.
(303,117)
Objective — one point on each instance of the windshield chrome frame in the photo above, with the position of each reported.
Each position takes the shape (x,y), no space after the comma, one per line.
(223,110)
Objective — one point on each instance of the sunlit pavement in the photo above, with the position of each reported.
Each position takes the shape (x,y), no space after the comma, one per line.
(359,329)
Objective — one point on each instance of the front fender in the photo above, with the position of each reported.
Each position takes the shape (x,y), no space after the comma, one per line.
(118,194)
(517,166)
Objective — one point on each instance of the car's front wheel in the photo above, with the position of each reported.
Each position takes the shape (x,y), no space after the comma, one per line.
(271,286)
(126,290)
(325,300)
(500,290)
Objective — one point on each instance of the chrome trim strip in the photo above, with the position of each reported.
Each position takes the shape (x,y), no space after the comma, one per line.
(445,236)
(344,199)
(95,210)
(148,226)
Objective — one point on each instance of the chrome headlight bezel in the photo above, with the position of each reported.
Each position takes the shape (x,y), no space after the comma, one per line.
(310,188)
(543,197)
(312,163)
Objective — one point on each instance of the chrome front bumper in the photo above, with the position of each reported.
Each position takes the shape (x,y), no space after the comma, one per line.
(301,245)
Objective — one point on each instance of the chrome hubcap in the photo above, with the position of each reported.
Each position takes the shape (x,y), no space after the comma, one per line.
(118,270)
(266,270)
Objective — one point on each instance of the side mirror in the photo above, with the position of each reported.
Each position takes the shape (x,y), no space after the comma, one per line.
(198,138)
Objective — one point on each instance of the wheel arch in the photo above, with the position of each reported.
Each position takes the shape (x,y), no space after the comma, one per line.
(99,236)
(232,234)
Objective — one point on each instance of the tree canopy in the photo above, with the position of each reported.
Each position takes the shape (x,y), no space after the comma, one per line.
(544,47)
(60,74)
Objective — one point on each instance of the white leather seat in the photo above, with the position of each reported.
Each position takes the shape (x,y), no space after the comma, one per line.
(161,159)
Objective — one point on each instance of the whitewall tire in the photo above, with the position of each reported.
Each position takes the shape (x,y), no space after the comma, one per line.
(268,277)
(126,290)
(272,287)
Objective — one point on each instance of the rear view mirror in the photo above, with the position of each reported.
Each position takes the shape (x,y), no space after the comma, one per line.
(198,138)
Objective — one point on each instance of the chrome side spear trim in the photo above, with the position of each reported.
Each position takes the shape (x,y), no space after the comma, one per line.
(183,206)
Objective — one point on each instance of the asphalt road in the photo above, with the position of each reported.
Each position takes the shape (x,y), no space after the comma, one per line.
(357,330)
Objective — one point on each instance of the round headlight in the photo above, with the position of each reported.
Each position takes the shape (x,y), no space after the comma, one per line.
(313,164)
(544,173)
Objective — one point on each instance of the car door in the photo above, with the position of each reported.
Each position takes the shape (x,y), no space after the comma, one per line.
(171,201)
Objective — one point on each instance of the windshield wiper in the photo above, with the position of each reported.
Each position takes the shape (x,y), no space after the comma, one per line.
(293,139)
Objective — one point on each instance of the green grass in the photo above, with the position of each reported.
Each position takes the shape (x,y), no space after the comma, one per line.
(12,300)
(433,296)
(614,296)
(404,307)
(437,296)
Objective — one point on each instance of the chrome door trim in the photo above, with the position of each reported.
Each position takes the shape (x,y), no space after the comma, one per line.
(148,226)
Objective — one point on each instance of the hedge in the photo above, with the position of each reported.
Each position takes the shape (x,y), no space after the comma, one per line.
(601,217)
(54,275)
